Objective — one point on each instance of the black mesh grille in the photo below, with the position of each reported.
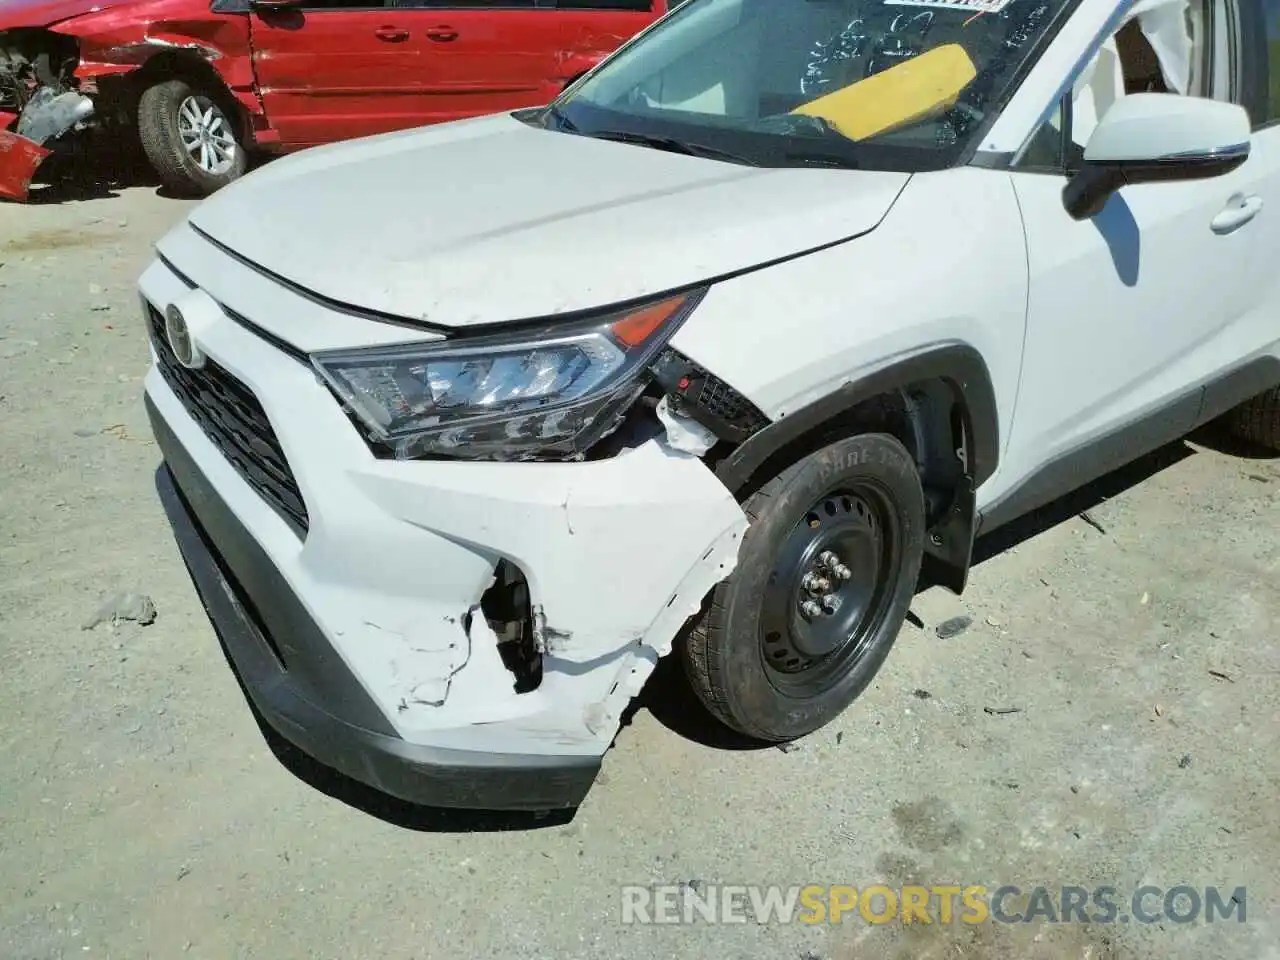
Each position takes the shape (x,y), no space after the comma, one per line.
(721,400)
(233,419)
(708,398)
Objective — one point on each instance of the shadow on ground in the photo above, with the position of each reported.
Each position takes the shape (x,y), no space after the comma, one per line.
(91,170)
(1217,437)
(94,170)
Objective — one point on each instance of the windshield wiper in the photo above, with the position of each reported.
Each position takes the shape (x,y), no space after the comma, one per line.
(562,121)
(673,145)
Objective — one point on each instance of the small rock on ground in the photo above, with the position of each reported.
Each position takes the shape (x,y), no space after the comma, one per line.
(124,606)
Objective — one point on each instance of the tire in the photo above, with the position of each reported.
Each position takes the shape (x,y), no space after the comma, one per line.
(1258,421)
(174,115)
(759,664)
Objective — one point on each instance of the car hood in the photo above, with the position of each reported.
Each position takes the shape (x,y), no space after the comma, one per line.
(491,220)
(42,13)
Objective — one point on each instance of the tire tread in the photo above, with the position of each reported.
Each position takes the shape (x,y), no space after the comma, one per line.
(163,147)
(1258,421)
(703,671)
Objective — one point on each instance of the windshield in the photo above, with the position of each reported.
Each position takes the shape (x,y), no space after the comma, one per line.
(876,84)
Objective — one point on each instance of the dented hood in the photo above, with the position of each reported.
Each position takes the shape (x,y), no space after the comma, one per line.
(42,13)
(490,220)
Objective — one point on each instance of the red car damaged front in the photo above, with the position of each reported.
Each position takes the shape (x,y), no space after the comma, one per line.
(204,81)
(66,65)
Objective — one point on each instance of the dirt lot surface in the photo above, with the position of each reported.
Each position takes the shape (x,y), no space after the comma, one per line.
(142,814)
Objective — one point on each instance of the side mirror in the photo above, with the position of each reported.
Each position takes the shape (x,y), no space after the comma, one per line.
(1156,137)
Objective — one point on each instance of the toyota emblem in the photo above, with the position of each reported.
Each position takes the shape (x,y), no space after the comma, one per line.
(180,342)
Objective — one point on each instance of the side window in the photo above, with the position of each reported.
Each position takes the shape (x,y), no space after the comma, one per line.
(1271,16)
(495,5)
(637,5)
(1187,47)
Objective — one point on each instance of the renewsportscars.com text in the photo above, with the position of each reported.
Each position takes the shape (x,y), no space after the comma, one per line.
(940,903)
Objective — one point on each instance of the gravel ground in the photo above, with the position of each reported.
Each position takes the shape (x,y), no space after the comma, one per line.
(142,813)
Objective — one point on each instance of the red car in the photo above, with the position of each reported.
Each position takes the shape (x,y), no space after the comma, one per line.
(203,82)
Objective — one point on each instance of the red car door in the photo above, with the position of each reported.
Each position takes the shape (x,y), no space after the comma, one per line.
(485,56)
(593,29)
(333,69)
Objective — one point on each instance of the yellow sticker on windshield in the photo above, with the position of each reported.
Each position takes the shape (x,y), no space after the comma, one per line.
(968,6)
(903,94)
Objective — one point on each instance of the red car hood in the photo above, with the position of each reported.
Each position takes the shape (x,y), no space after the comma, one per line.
(42,13)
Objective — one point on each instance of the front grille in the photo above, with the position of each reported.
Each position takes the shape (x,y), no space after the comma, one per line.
(233,419)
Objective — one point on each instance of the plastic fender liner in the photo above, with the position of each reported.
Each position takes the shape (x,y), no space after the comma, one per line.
(958,364)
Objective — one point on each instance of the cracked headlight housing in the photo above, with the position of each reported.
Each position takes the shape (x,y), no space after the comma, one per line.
(529,394)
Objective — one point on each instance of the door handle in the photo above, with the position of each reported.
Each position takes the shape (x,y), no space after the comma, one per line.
(442,34)
(391,34)
(1239,211)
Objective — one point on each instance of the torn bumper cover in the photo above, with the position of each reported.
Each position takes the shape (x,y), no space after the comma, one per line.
(19,160)
(46,118)
(369,641)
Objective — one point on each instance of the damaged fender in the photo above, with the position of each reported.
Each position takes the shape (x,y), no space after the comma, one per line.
(617,555)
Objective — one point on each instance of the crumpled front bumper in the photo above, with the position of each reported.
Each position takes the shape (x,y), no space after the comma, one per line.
(388,639)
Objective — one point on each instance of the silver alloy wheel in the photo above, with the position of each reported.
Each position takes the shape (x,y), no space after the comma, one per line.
(206,135)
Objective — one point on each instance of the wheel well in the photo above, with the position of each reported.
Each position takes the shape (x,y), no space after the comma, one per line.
(927,417)
(194,69)
(933,420)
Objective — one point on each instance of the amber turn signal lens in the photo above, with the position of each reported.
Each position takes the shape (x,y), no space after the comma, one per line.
(635,328)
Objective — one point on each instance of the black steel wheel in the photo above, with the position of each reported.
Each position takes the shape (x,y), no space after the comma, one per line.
(824,580)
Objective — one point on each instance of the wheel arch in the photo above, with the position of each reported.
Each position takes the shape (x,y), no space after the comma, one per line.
(195,68)
(940,402)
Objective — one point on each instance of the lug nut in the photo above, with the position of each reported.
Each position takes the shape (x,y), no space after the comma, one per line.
(830,603)
(816,584)
(843,572)
(828,559)
(810,609)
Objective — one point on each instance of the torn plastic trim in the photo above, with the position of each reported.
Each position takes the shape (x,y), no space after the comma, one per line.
(519,628)
(683,432)
(603,717)
(699,394)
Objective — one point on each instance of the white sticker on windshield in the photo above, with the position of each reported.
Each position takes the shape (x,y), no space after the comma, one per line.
(972,6)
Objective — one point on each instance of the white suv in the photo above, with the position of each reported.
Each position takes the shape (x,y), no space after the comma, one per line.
(464,425)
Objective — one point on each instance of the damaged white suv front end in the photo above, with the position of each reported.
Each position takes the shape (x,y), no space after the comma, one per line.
(462,425)
(452,632)
(443,560)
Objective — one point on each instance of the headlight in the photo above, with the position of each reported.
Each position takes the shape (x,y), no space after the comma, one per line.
(550,392)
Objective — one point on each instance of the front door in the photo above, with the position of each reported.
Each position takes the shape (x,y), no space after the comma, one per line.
(334,69)
(484,56)
(1128,308)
